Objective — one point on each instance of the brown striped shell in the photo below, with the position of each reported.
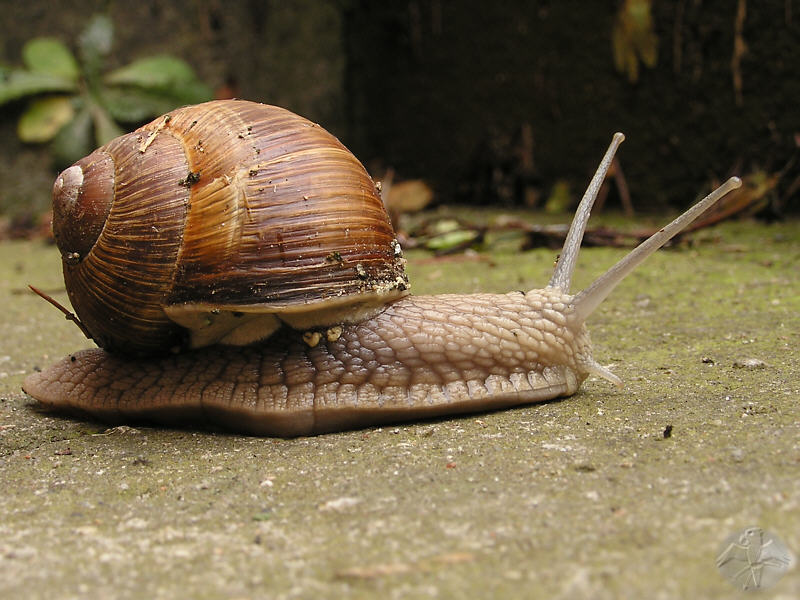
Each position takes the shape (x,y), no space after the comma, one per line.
(218,223)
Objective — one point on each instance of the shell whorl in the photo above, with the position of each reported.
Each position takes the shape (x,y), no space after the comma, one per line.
(82,197)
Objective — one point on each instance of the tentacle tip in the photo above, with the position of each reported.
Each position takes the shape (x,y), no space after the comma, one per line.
(595,368)
(619,137)
(734,182)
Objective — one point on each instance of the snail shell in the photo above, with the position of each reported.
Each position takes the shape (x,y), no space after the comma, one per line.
(217,223)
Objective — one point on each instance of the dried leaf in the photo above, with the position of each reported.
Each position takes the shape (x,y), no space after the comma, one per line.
(633,38)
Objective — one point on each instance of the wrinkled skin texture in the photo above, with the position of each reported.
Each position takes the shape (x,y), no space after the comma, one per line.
(422,356)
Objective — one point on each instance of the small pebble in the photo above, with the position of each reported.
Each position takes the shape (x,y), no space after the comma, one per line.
(749,363)
(339,504)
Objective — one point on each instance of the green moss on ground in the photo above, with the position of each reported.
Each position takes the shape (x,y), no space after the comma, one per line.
(583,497)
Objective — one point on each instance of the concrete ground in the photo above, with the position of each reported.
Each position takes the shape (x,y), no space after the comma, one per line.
(609,494)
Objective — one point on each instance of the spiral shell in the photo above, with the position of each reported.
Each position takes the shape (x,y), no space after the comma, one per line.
(217,223)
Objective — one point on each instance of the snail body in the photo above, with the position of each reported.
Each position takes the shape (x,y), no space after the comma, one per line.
(422,356)
(328,362)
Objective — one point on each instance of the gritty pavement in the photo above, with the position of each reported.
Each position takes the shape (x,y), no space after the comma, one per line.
(612,493)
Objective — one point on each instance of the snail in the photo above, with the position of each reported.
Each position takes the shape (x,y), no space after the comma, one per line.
(236,266)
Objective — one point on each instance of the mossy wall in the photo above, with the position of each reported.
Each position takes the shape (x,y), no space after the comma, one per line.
(438,88)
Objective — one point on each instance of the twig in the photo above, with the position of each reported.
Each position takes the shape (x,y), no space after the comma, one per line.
(67,314)
(622,188)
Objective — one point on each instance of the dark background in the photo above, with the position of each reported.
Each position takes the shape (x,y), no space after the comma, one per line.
(446,90)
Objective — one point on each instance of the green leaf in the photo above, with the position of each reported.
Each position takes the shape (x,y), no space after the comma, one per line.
(169,76)
(44,118)
(74,141)
(560,198)
(49,55)
(133,105)
(98,36)
(95,43)
(18,84)
(152,72)
(190,93)
(449,234)
(453,239)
